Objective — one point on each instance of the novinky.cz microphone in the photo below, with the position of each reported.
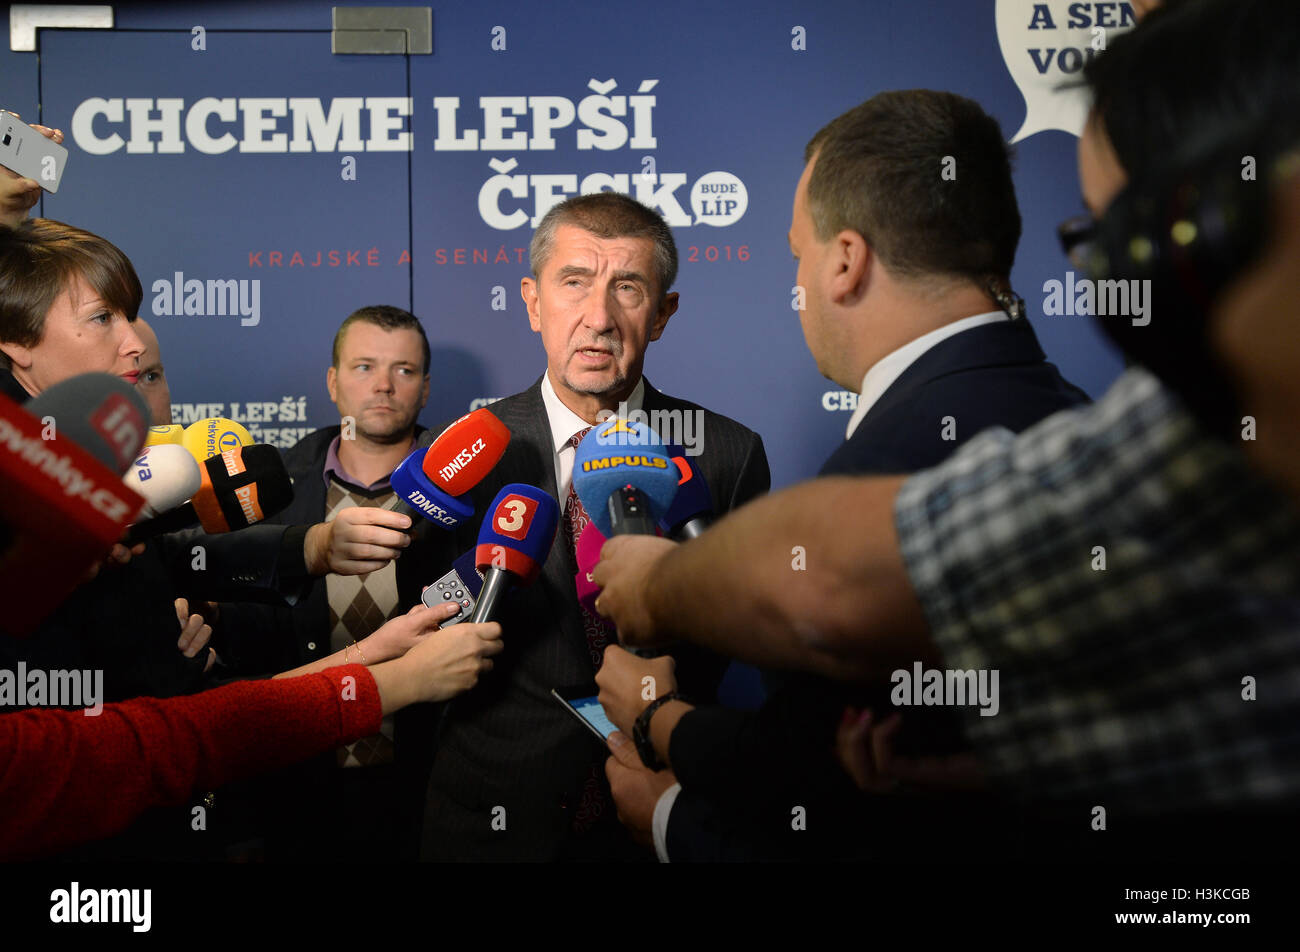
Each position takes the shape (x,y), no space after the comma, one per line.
(513,543)
(62,500)
(434,483)
(97,416)
(237,488)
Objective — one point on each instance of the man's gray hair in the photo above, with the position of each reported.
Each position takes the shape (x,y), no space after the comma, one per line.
(608,215)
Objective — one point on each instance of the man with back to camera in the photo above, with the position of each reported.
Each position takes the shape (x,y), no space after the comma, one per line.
(906,275)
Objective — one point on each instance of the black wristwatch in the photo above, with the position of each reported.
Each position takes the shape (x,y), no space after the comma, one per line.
(641,731)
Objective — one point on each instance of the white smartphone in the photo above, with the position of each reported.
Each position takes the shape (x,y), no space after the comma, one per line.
(25,151)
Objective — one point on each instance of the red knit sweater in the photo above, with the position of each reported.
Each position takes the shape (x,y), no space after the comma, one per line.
(66,778)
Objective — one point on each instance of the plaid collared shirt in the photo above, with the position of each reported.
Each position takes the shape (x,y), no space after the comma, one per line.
(1126,683)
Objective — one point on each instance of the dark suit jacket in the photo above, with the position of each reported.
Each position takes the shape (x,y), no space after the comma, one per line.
(992,375)
(288,809)
(508,743)
(267,639)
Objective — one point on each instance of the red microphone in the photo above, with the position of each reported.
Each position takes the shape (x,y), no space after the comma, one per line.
(466,451)
(61,509)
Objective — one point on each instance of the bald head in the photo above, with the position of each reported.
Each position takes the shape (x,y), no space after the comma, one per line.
(153,381)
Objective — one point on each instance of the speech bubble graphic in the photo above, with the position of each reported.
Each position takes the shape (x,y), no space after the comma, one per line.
(718,198)
(1045,46)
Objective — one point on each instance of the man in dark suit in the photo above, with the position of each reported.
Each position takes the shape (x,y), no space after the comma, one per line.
(515,777)
(918,319)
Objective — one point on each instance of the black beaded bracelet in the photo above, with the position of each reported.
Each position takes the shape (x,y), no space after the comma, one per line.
(641,731)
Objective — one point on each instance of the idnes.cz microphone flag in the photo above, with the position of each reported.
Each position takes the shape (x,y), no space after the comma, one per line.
(435,483)
(466,451)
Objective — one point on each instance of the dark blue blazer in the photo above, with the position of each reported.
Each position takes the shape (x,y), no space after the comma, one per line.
(992,375)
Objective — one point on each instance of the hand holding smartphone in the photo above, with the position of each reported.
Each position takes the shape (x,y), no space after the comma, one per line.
(32,152)
(580,701)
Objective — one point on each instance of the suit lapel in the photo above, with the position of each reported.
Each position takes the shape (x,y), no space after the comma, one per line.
(532,461)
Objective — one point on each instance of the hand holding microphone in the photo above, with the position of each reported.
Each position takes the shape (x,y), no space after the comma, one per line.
(513,543)
(627,483)
(625,576)
(359,539)
(439,667)
(235,488)
(433,484)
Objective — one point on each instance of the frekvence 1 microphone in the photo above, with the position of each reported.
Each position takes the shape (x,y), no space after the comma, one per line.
(206,438)
(167,433)
(513,542)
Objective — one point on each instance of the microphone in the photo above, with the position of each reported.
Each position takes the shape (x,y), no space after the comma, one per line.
(626,481)
(433,482)
(159,435)
(63,505)
(624,478)
(237,488)
(466,451)
(166,475)
(207,438)
(692,509)
(513,543)
(587,554)
(417,495)
(101,419)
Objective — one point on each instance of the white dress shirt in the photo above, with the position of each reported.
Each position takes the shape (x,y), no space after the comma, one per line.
(889,368)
